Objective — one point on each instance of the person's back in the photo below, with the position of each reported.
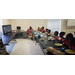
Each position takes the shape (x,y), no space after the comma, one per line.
(66,41)
(72,43)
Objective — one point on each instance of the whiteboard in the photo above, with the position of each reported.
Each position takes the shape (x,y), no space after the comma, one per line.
(71,22)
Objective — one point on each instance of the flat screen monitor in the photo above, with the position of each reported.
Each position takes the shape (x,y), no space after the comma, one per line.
(6,29)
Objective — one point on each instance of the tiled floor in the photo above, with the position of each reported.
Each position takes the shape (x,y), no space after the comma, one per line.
(24,47)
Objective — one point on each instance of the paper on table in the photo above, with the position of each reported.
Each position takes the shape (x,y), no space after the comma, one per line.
(36,35)
(41,35)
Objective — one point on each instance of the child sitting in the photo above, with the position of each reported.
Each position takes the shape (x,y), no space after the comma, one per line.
(38,29)
(42,30)
(29,31)
(49,32)
(67,40)
(61,36)
(46,32)
(56,35)
(72,43)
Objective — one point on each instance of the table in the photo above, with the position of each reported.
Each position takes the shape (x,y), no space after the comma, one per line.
(21,34)
(7,38)
(49,44)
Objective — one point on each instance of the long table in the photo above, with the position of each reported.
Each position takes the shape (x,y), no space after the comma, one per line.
(49,44)
(7,38)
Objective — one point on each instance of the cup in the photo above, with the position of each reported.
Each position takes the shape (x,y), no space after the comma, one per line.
(45,42)
(39,36)
(55,42)
(63,49)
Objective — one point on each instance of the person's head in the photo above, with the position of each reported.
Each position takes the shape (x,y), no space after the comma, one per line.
(56,33)
(38,27)
(69,36)
(46,30)
(30,27)
(49,31)
(72,41)
(42,27)
(62,34)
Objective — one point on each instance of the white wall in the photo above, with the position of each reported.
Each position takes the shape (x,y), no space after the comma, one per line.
(54,25)
(63,24)
(5,21)
(25,23)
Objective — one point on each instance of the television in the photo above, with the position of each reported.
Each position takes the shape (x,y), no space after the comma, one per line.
(7,29)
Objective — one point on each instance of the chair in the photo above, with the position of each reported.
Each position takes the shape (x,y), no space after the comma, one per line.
(52,33)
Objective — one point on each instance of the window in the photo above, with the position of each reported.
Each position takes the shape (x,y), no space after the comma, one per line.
(1,32)
(54,24)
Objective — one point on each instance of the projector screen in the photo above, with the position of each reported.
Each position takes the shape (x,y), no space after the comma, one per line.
(71,22)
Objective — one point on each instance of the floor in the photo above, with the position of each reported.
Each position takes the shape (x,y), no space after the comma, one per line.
(24,47)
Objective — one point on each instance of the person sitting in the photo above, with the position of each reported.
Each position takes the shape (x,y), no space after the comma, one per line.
(61,36)
(38,29)
(72,43)
(29,31)
(42,30)
(55,34)
(66,41)
(46,32)
(49,32)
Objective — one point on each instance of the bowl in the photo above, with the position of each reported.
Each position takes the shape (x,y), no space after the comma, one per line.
(58,44)
(68,51)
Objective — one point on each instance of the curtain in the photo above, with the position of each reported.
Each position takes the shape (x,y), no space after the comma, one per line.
(54,25)
(1,32)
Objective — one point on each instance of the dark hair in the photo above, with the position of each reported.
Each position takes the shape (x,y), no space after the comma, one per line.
(62,33)
(69,36)
(46,29)
(42,27)
(30,27)
(72,42)
(49,30)
(56,33)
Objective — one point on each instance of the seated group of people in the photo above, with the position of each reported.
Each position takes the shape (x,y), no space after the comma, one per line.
(68,41)
(47,31)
